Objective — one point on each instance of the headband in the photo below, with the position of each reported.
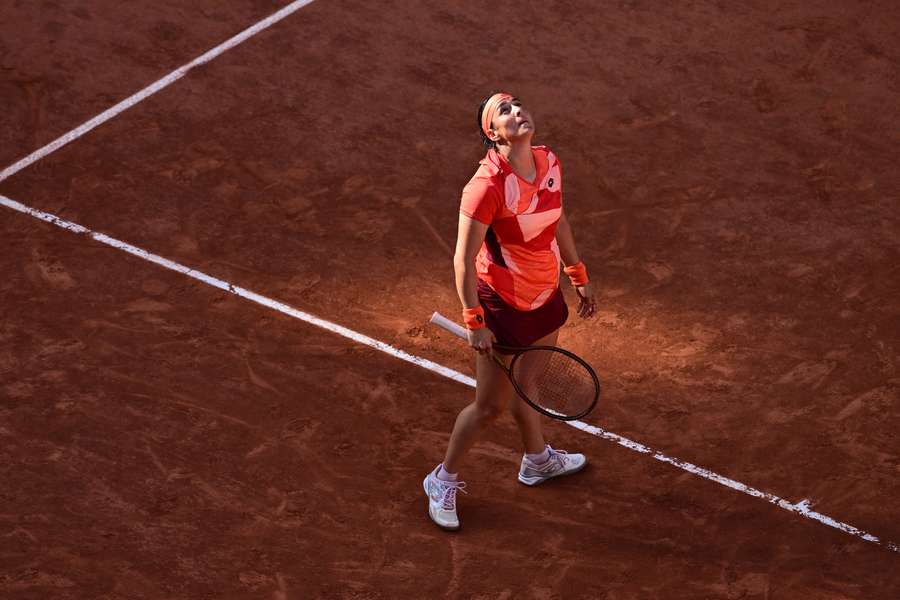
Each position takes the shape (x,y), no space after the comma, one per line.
(490,107)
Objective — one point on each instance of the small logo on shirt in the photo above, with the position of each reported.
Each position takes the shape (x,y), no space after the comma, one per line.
(550,183)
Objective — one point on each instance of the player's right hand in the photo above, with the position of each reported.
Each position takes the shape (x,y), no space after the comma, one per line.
(481,339)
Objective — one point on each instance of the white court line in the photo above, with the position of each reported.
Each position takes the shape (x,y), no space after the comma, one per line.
(801,508)
(152,89)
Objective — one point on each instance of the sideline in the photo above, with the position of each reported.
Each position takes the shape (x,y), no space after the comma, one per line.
(152,89)
(801,508)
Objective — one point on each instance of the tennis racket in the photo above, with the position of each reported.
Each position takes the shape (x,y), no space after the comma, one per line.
(553,381)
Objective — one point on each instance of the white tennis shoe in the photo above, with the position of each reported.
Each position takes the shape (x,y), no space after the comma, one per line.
(442,500)
(559,463)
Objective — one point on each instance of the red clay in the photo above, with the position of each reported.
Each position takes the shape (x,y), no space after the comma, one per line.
(731,179)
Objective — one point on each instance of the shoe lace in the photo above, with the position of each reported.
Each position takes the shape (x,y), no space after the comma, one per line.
(448,493)
(560,456)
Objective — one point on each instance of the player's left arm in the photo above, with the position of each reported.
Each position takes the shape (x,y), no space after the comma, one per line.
(587,306)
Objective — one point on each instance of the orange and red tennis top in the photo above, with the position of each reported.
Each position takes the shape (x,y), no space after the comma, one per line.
(520,257)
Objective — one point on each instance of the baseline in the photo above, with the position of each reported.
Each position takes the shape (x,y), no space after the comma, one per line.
(801,508)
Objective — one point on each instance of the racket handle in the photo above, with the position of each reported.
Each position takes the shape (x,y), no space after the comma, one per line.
(454,328)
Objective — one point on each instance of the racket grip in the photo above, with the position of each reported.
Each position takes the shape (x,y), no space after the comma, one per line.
(454,328)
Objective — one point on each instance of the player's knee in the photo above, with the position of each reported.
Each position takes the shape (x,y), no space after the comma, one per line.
(489,412)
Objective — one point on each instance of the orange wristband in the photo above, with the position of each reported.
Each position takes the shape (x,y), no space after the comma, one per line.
(577,273)
(473,317)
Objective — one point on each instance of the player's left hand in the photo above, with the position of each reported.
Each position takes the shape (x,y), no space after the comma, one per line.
(587,305)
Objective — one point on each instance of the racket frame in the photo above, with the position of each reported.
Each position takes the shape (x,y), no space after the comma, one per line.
(459,331)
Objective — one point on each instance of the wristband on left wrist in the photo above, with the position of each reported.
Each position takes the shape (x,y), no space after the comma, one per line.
(577,273)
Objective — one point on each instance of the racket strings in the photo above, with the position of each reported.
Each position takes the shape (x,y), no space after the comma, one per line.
(555,381)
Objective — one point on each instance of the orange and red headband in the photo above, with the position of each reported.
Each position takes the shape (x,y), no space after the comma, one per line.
(490,109)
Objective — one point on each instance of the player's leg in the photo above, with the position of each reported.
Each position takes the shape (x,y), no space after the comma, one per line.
(492,392)
(540,462)
(528,419)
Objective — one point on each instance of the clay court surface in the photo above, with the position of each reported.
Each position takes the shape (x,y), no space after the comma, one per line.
(731,178)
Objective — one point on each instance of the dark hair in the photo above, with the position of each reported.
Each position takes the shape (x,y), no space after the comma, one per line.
(489,143)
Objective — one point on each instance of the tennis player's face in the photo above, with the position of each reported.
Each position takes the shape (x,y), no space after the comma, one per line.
(513,122)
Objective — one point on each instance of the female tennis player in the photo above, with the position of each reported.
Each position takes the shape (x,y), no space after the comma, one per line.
(512,235)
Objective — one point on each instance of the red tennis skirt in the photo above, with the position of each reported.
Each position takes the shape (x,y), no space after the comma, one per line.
(520,328)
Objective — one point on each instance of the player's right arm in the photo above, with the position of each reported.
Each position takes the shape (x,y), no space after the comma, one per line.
(469,238)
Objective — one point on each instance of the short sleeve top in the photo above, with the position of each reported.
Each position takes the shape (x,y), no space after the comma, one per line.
(520,257)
